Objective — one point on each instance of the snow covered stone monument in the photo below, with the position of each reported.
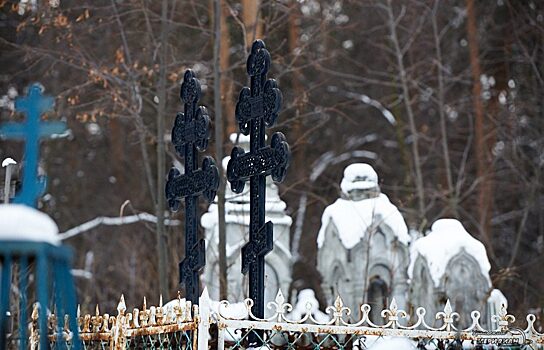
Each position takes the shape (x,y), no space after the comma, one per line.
(363,242)
(448,263)
(277,263)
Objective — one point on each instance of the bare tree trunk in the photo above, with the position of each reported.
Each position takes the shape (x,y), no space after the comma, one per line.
(217,92)
(482,160)
(411,119)
(226,82)
(298,133)
(250,16)
(159,208)
(452,199)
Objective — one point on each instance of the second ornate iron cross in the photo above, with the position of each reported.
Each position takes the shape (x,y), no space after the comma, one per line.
(256,109)
(191,133)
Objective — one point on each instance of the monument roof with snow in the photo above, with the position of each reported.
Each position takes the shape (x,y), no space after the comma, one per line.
(446,239)
(353,218)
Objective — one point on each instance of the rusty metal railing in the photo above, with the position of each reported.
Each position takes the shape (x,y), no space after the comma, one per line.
(213,325)
(170,326)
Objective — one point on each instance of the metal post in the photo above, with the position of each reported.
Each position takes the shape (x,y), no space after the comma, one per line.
(189,135)
(8,163)
(4,299)
(258,108)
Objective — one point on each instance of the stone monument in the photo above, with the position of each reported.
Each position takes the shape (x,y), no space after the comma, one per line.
(363,245)
(448,263)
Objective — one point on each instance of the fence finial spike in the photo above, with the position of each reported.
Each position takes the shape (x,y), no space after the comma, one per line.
(78,311)
(393,306)
(35,311)
(205,296)
(97,310)
(447,308)
(144,306)
(160,300)
(280,299)
(338,303)
(502,311)
(121,307)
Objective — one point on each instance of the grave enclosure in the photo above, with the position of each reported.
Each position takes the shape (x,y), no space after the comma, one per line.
(195,321)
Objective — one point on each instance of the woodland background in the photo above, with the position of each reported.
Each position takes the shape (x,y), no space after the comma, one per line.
(444,98)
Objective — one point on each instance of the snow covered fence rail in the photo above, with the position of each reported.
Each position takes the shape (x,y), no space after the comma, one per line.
(220,325)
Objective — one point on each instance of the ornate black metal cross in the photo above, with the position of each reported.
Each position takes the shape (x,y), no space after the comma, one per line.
(191,133)
(256,109)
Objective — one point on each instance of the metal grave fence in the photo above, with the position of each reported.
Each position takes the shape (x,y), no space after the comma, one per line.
(222,325)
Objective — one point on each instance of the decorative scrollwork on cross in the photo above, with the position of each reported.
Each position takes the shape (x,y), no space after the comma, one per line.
(189,135)
(257,108)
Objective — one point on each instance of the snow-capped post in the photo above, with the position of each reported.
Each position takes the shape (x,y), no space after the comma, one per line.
(189,135)
(258,108)
(29,244)
(8,163)
(33,105)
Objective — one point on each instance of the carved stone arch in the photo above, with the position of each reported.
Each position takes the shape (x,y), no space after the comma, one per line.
(378,290)
(331,232)
(339,280)
(465,286)
(422,288)
(379,240)
(391,252)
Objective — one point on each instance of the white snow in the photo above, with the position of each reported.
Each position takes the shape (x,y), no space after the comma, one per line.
(391,343)
(237,311)
(174,306)
(232,310)
(498,299)
(354,218)
(306,299)
(242,139)
(8,161)
(114,221)
(495,303)
(210,218)
(359,176)
(22,223)
(445,240)
(237,209)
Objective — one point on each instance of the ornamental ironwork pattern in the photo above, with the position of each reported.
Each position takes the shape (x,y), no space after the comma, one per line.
(189,135)
(157,327)
(344,330)
(223,326)
(257,108)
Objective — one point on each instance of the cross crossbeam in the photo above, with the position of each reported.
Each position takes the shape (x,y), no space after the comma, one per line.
(189,135)
(33,105)
(270,160)
(257,108)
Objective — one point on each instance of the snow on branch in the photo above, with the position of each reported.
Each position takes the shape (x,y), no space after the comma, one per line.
(114,221)
(366,100)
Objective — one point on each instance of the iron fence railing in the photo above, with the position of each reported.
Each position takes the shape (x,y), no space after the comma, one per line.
(213,325)
(170,326)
